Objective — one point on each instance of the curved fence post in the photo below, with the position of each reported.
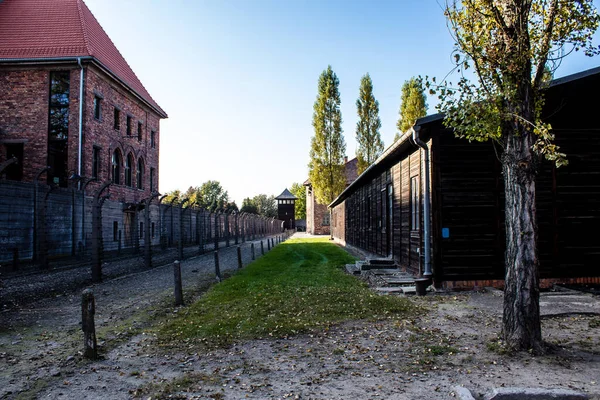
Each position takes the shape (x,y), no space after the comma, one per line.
(35,212)
(180,241)
(97,242)
(147,238)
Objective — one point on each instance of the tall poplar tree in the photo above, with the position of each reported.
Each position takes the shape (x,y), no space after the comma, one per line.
(370,145)
(413,105)
(510,45)
(298,190)
(327,149)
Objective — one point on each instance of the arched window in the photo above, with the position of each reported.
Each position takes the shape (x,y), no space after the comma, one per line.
(128,166)
(140,173)
(116,167)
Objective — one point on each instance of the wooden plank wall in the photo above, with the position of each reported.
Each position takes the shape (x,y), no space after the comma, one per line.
(365,209)
(469,206)
(568,206)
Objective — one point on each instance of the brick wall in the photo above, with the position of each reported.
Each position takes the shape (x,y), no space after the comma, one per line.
(102,134)
(24,116)
(316,223)
(24,99)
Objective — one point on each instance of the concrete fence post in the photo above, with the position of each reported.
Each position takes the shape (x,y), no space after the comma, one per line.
(178,285)
(236,227)
(136,231)
(227,230)
(147,232)
(239,256)
(88,310)
(217,230)
(43,256)
(97,242)
(202,227)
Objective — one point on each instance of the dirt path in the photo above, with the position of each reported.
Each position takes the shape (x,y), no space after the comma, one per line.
(454,343)
(40,343)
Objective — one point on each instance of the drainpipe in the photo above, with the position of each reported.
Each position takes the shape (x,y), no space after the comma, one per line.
(426,218)
(79,165)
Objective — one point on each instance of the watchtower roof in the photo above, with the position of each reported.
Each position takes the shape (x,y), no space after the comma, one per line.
(286,195)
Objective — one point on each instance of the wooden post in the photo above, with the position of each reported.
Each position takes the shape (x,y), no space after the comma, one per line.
(239,254)
(262,248)
(217,268)
(252,248)
(178,286)
(88,310)
(268,244)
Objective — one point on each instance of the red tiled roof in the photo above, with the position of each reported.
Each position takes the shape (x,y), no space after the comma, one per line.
(38,29)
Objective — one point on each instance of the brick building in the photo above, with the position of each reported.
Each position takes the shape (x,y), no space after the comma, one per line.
(70,101)
(317,214)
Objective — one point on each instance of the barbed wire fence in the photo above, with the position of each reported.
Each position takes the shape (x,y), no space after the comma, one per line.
(46,228)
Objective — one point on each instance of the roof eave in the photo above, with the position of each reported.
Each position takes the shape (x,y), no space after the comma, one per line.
(70,59)
(392,148)
(156,108)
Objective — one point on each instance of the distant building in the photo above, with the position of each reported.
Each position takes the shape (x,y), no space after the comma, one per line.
(70,101)
(301,225)
(317,214)
(286,209)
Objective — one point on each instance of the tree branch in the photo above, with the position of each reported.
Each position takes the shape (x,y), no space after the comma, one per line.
(539,74)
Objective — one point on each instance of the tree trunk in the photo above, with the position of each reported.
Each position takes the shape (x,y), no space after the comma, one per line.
(521,318)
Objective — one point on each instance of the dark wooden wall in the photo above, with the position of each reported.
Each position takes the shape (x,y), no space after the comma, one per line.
(468,199)
(468,193)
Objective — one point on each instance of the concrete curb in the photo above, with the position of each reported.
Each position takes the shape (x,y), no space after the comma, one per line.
(516,393)
(462,393)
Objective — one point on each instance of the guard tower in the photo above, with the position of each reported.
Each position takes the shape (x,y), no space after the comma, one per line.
(286,209)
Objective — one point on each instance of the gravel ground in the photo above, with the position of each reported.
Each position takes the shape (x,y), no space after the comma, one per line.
(454,343)
(29,284)
(40,337)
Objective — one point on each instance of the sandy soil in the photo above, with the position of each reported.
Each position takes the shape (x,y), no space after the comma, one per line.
(453,343)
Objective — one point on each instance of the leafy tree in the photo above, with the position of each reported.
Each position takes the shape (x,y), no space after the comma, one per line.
(413,105)
(266,205)
(299,191)
(231,206)
(209,195)
(369,141)
(510,45)
(326,166)
(248,206)
(173,194)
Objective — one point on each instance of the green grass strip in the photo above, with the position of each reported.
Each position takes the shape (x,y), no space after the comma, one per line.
(296,287)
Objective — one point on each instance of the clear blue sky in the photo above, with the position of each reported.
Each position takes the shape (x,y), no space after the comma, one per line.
(238,78)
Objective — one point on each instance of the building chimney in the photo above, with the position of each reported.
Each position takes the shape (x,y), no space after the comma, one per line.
(345,159)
